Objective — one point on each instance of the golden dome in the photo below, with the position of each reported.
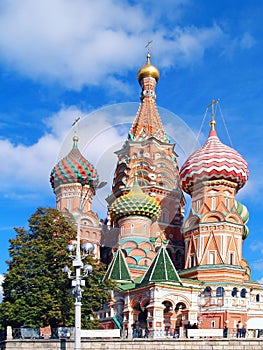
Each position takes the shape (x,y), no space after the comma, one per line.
(148,71)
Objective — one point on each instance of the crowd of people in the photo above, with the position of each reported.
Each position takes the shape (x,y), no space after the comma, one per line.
(139,332)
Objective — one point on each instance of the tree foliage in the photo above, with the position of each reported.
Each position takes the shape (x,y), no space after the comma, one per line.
(36,292)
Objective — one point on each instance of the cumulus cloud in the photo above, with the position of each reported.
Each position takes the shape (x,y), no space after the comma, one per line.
(84,42)
(27,168)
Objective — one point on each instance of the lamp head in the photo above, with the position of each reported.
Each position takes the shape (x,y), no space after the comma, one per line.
(70,248)
(65,269)
(87,247)
(87,269)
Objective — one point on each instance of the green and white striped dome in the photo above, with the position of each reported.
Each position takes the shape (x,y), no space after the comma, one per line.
(244,213)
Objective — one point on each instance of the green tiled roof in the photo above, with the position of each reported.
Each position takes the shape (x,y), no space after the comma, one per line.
(162,269)
(118,269)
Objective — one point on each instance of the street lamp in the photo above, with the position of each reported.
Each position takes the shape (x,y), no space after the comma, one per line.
(77,253)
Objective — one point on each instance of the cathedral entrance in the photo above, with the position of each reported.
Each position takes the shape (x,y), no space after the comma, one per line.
(140,329)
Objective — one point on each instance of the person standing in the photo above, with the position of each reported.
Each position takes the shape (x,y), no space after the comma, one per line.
(239,329)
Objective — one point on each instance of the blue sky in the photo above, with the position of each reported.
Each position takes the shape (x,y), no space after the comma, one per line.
(60,59)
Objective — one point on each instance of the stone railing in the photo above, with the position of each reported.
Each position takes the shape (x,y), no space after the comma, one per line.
(175,344)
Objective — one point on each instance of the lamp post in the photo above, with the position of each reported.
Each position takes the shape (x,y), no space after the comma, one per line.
(77,252)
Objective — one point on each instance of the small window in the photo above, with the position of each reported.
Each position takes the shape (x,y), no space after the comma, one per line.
(257,298)
(192,260)
(231,259)
(234,292)
(213,324)
(220,292)
(227,202)
(213,206)
(207,292)
(68,204)
(198,205)
(243,293)
(212,258)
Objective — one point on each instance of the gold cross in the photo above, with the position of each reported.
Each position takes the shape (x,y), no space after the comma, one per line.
(212,104)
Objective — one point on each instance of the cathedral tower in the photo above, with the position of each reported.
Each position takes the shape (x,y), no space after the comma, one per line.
(216,226)
(149,155)
(74,181)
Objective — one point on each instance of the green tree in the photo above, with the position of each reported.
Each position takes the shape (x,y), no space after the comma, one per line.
(36,292)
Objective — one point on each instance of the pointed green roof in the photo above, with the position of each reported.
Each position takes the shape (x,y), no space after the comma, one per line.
(118,269)
(161,269)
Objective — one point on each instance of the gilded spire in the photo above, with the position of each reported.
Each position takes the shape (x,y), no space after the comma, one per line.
(147,122)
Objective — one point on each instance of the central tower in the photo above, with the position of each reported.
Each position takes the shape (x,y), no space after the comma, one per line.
(149,156)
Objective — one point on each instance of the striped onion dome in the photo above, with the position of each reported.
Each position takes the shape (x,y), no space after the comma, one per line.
(244,213)
(73,168)
(213,161)
(136,202)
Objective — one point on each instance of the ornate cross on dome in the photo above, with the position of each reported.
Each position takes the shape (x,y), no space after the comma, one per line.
(148,46)
(212,104)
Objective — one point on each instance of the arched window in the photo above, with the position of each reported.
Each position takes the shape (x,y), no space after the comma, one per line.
(257,298)
(234,292)
(220,292)
(132,228)
(227,202)
(207,292)
(68,204)
(167,307)
(213,206)
(243,293)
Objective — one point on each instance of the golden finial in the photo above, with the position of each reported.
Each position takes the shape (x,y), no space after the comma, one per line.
(148,70)
(212,105)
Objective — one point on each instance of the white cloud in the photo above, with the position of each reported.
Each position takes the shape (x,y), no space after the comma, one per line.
(86,42)
(101,133)
(247,41)
(27,168)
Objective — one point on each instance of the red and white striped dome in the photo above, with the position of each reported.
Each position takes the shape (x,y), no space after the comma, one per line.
(213,161)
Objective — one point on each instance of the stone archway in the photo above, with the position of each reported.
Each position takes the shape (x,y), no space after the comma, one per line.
(140,325)
(167,316)
(180,315)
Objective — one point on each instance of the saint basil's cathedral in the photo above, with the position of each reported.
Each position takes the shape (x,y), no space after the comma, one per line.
(170,271)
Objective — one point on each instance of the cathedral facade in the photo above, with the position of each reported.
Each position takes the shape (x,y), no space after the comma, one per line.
(170,271)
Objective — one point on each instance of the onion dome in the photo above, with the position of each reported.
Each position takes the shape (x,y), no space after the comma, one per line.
(242,211)
(213,161)
(73,169)
(244,214)
(148,71)
(136,202)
